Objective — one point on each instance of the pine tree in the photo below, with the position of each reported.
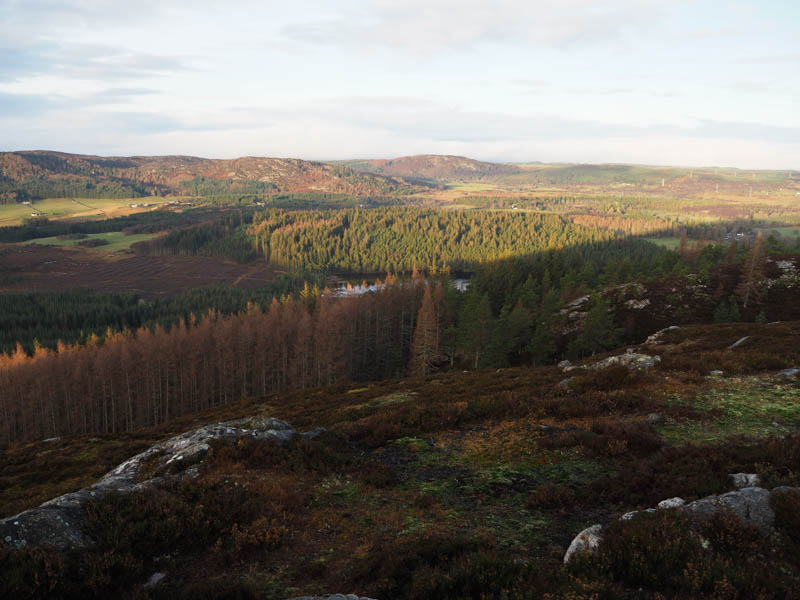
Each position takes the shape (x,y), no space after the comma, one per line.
(543,344)
(425,350)
(722,313)
(475,327)
(749,287)
(733,310)
(598,332)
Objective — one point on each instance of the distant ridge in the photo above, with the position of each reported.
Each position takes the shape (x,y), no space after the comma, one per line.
(435,167)
(41,173)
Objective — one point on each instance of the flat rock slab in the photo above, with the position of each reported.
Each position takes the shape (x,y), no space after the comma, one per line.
(58,522)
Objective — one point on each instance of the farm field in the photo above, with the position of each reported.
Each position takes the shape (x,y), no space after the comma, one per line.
(78,208)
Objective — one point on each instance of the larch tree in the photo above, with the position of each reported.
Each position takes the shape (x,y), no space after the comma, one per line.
(426,342)
(750,282)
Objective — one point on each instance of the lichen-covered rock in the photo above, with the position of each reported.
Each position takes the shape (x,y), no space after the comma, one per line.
(656,337)
(675,502)
(58,522)
(632,360)
(745,480)
(587,540)
(751,505)
(564,383)
(634,304)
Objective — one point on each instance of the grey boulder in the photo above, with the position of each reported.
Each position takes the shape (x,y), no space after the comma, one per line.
(587,541)
(751,505)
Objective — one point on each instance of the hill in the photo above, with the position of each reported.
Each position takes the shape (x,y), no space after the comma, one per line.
(452,485)
(41,174)
(434,167)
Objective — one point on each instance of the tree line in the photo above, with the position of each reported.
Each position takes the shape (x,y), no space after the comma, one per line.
(510,314)
(385,239)
(141,378)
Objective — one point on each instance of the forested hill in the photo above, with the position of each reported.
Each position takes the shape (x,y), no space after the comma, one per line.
(42,174)
(434,167)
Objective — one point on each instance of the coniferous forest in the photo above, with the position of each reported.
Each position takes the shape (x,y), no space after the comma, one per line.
(446,349)
(399,300)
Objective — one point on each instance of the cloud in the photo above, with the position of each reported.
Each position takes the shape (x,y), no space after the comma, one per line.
(33,105)
(26,105)
(772,59)
(422,26)
(708,128)
(87,62)
(424,119)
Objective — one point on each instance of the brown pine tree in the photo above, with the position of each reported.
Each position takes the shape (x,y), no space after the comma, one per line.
(752,277)
(425,352)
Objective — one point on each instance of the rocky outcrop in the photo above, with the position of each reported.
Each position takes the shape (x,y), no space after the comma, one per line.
(675,502)
(634,304)
(743,480)
(750,504)
(58,522)
(656,337)
(630,359)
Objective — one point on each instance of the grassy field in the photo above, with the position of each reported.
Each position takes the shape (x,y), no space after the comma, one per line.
(83,208)
(473,186)
(117,240)
(667,242)
(782,231)
(753,406)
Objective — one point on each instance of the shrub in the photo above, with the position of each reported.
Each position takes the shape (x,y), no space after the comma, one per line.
(92,243)
(614,377)
(551,495)
(264,532)
(786,505)
(667,553)
(609,438)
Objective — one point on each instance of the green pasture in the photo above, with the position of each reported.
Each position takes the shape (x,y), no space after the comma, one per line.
(782,231)
(62,208)
(667,242)
(117,241)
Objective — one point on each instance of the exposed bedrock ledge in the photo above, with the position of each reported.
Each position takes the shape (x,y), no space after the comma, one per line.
(58,522)
(750,504)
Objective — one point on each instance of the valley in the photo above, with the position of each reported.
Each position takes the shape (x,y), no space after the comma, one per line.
(467,432)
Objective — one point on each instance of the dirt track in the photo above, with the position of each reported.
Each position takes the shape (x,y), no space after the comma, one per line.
(28,268)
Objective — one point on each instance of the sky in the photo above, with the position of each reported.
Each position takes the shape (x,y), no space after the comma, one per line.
(685,82)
